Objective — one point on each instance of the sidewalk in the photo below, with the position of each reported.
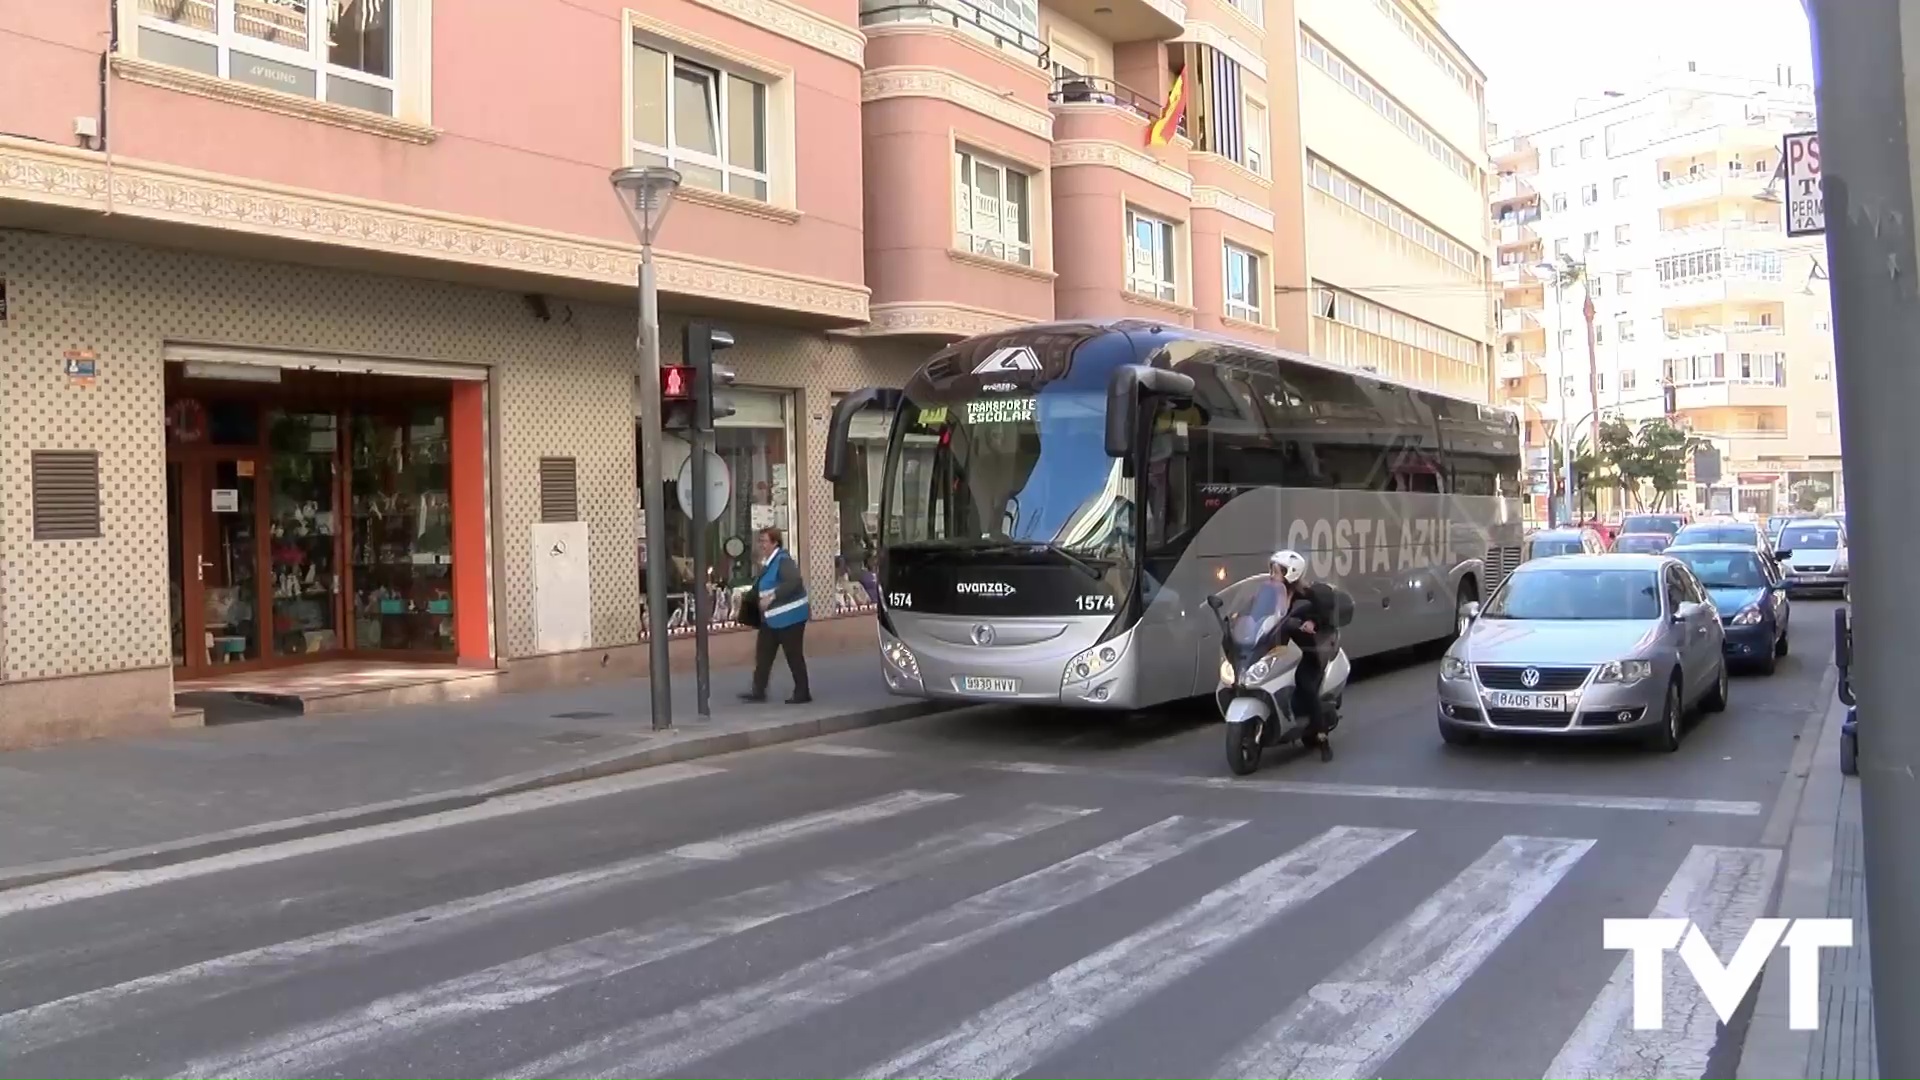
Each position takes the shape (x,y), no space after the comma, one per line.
(78,806)
(1825,877)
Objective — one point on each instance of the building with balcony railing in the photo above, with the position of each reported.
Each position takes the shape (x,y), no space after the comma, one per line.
(1665,206)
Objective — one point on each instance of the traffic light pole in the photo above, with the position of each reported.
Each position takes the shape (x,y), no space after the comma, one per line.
(702,588)
(653,488)
(1861,59)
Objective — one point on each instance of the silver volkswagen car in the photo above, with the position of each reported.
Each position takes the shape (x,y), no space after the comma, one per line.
(1587,645)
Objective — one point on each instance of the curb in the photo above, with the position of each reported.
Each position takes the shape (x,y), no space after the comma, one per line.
(1770,1048)
(610,763)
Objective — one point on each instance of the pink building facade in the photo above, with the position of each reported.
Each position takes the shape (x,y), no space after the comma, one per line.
(317,316)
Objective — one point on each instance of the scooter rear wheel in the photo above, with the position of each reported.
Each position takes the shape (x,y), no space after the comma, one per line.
(1243,747)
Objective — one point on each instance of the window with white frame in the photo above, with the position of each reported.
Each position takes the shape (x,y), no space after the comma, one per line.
(1629,379)
(1254,137)
(1586,147)
(1243,284)
(1623,234)
(1823,423)
(1623,282)
(707,122)
(1589,194)
(1626,329)
(1254,10)
(337,51)
(1150,257)
(1619,187)
(992,209)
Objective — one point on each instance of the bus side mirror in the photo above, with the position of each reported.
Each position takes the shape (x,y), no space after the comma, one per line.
(1127,388)
(885,397)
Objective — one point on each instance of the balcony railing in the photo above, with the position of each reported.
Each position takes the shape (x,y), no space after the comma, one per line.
(965,17)
(1093,90)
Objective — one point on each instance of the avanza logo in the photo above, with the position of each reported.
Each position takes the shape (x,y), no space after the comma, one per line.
(983,588)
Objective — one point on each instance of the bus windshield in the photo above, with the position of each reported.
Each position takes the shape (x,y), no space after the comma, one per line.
(1024,468)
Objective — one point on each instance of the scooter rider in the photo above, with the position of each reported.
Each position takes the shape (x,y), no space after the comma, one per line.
(1302,625)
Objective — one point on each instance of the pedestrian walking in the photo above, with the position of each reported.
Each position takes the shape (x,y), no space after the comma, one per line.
(780,598)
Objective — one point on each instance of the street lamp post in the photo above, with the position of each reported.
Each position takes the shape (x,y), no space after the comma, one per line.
(645,194)
(1565,504)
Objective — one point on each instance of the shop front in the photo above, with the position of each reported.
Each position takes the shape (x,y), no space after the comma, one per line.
(323,509)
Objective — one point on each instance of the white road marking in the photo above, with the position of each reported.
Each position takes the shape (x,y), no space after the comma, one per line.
(1723,890)
(1571,800)
(1011,1037)
(837,750)
(313,1049)
(79,1014)
(108,882)
(1348,1025)
(663,1044)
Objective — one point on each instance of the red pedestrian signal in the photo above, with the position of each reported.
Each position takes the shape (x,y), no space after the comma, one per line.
(676,383)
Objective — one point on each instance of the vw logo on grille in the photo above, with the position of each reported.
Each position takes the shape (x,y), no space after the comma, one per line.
(1530,678)
(983,634)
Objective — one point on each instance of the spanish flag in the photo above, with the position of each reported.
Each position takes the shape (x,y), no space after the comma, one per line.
(1163,129)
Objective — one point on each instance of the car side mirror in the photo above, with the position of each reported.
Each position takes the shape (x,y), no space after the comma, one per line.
(1781,553)
(1472,610)
(1685,611)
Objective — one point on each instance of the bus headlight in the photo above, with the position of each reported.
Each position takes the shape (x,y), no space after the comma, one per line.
(900,658)
(1094,662)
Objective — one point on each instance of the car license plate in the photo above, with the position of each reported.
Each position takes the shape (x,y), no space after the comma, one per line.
(984,685)
(1514,699)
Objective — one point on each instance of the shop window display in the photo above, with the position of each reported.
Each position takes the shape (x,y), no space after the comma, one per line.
(856,588)
(402,559)
(750,449)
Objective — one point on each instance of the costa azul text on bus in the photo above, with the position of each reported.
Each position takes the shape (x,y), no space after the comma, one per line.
(1341,546)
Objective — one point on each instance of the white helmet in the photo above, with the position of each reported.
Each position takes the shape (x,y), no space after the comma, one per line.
(1292,565)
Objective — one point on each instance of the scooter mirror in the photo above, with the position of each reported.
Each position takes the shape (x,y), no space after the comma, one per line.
(1215,602)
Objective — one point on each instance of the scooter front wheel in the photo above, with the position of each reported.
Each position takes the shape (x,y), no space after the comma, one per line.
(1243,747)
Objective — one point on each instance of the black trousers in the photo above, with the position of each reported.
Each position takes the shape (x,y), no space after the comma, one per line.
(790,640)
(1308,679)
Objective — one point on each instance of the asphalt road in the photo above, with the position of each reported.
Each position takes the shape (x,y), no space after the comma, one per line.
(987,893)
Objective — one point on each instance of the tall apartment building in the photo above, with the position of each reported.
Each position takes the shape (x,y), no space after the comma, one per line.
(1398,247)
(1669,201)
(317,316)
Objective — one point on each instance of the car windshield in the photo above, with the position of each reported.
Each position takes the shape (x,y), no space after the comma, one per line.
(1716,534)
(1578,593)
(1006,468)
(1641,544)
(1556,545)
(1725,569)
(1809,537)
(1648,523)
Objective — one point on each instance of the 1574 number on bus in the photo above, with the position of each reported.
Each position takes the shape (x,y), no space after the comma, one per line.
(1096,602)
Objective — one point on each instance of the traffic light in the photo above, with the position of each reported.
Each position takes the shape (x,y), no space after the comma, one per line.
(702,341)
(676,397)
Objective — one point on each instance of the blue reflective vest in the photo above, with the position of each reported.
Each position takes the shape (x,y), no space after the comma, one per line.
(780,614)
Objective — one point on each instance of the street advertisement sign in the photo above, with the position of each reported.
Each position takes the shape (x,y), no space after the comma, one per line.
(1806,207)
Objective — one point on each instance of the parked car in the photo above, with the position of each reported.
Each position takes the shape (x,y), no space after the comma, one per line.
(1750,593)
(1550,542)
(1641,543)
(1776,523)
(1814,555)
(1584,646)
(1746,534)
(1660,523)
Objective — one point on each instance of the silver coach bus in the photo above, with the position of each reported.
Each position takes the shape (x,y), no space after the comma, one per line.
(1059,500)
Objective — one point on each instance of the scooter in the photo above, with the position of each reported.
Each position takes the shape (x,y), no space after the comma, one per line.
(1255,695)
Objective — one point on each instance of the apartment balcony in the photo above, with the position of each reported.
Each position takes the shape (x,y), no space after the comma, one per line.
(956,143)
(1072,92)
(1701,339)
(1123,21)
(1516,231)
(1716,288)
(1518,365)
(1707,186)
(1514,188)
(1518,154)
(1742,234)
(1745,394)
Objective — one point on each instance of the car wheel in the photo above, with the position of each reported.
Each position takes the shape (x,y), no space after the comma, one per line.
(1667,739)
(1453,736)
(1771,662)
(1716,699)
(1780,647)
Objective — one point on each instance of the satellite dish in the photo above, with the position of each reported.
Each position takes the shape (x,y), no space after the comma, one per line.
(719,486)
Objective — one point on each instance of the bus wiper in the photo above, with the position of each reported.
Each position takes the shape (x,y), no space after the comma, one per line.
(1012,547)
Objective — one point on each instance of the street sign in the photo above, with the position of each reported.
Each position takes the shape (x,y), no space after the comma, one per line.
(1806,206)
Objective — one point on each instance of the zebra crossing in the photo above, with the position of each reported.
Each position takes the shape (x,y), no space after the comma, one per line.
(952,876)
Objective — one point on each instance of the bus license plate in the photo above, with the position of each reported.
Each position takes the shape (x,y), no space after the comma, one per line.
(982,685)
(1514,699)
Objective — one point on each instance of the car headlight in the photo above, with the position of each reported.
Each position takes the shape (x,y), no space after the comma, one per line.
(1452,667)
(1625,671)
(1748,616)
(902,659)
(1840,562)
(1093,663)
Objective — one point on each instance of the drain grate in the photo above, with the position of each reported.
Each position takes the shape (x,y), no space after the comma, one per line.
(588,715)
(567,738)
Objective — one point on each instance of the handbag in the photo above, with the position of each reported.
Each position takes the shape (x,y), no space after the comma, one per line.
(750,609)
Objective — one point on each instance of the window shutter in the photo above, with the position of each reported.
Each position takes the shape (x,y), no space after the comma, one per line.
(559,490)
(66,494)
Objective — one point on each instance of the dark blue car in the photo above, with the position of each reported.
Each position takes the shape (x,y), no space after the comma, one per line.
(1751,597)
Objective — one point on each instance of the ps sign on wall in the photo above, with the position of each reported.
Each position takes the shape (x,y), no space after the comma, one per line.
(1806,207)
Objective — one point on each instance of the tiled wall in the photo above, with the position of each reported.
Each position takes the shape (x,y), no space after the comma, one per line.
(565,388)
